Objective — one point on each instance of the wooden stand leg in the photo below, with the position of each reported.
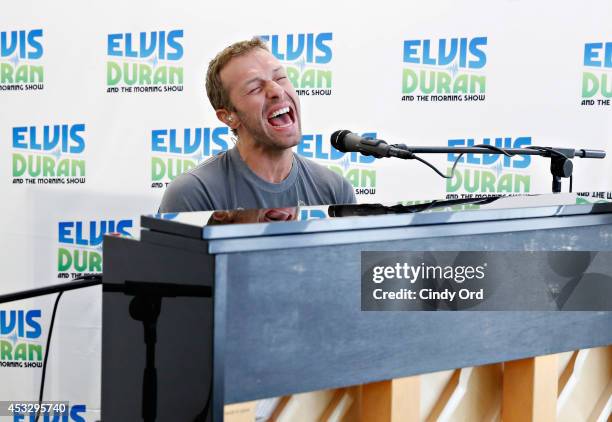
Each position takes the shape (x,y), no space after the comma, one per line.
(391,401)
(530,390)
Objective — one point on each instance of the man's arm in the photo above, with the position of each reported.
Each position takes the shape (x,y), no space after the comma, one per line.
(348,193)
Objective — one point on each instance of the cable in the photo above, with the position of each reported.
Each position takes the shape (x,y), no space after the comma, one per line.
(452,172)
(44,369)
(431,166)
(93,277)
(551,151)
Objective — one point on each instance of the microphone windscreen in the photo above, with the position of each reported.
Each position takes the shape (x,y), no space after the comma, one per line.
(337,139)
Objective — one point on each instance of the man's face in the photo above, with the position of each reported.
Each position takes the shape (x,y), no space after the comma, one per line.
(267,106)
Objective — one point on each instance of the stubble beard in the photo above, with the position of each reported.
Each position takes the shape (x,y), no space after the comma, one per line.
(262,139)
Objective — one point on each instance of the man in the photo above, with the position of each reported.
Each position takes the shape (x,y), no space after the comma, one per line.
(250,92)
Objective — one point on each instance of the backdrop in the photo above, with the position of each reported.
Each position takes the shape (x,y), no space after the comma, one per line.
(103,104)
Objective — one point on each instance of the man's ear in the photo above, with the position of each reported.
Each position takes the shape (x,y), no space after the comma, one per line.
(228,118)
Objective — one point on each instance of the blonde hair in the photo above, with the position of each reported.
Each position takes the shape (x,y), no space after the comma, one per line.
(217,95)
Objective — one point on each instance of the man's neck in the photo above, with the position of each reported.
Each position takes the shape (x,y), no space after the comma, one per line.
(272,165)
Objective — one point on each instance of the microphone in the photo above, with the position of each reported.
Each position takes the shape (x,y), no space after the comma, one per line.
(347,141)
(357,210)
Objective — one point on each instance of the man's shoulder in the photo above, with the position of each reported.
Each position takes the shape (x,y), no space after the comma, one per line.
(332,186)
(198,188)
(210,170)
(320,172)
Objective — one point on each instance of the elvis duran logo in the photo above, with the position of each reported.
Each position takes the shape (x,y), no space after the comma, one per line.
(144,62)
(57,413)
(175,151)
(49,154)
(20,55)
(597,74)
(313,213)
(307,58)
(80,245)
(353,166)
(583,198)
(456,207)
(20,338)
(447,69)
(489,173)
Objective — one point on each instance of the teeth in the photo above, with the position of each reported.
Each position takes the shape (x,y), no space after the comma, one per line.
(279,112)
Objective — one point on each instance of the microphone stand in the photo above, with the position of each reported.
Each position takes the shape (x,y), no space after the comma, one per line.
(561,165)
(82,282)
(146,307)
(77,283)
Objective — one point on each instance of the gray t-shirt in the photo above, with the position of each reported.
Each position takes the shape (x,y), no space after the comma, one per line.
(225,182)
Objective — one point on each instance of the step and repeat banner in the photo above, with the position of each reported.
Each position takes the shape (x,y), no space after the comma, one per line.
(104,104)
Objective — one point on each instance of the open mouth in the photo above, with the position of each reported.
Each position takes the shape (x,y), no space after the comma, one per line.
(279,214)
(282,117)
